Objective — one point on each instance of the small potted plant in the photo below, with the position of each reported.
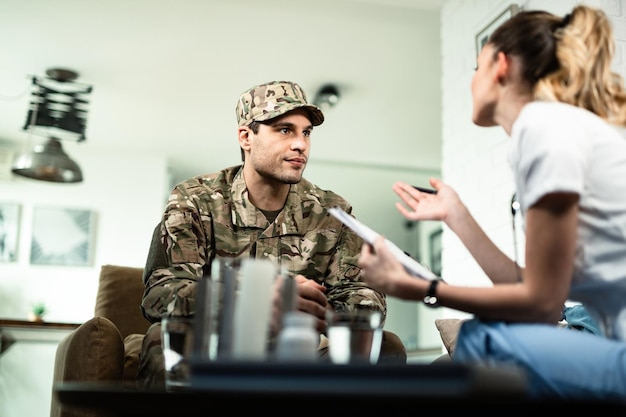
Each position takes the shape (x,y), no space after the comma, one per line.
(38,311)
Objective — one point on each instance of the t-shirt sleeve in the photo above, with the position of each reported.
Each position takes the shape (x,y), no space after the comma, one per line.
(552,155)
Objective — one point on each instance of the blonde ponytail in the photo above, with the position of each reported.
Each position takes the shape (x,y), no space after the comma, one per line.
(585,49)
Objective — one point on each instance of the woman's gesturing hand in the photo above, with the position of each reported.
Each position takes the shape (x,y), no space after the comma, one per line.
(419,205)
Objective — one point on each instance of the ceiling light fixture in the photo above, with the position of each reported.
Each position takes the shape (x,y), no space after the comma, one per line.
(58,111)
(48,162)
(327,97)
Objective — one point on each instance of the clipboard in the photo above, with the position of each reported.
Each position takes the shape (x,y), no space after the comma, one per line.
(412,266)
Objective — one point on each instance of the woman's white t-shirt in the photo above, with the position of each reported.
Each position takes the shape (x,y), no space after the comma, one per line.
(557,147)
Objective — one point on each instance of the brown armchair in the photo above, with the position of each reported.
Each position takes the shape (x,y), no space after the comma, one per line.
(106,347)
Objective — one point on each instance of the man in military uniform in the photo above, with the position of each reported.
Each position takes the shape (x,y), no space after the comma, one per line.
(263,208)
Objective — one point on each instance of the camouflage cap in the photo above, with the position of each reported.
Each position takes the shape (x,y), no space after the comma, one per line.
(273,99)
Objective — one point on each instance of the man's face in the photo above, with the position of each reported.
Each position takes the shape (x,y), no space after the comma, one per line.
(280,149)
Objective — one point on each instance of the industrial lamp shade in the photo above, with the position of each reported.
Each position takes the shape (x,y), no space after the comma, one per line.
(48,162)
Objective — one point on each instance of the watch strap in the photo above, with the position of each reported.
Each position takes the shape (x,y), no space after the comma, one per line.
(430,299)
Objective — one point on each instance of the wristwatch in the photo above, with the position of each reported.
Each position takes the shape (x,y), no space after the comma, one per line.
(430,299)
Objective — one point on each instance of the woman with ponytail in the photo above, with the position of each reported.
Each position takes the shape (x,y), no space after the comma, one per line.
(547,81)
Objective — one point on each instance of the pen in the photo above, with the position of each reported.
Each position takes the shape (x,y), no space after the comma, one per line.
(425,190)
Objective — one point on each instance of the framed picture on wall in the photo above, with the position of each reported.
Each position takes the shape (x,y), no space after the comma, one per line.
(9,231)
(483,35)
(435,251)
(62,236)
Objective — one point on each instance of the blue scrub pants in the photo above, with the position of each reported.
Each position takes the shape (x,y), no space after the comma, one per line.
(559,362)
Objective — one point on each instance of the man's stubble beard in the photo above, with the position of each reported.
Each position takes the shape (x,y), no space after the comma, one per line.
(281,176)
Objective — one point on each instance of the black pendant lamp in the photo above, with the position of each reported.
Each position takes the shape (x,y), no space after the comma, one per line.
(58,111)
(48,162)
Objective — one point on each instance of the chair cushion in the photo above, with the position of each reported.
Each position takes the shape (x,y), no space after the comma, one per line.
(132,348)
(449,330)
(392,349)
(120,290)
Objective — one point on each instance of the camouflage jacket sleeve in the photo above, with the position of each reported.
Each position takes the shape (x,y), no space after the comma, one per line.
(176,258)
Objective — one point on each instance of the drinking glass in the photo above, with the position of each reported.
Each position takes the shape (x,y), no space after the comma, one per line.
(354,337)
(177,338)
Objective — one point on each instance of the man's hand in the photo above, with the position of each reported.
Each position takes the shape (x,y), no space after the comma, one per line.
(311,298)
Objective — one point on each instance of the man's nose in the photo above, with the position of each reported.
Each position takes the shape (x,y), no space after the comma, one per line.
(299,142)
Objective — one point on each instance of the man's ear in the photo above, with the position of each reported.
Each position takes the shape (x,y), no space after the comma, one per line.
(243,135)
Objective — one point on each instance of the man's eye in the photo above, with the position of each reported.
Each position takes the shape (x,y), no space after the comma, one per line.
(284,130)
(306,133)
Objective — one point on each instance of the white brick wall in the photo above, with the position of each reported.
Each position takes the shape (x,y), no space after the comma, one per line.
(474,158)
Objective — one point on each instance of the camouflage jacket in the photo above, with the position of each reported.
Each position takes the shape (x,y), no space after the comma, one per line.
(210,216)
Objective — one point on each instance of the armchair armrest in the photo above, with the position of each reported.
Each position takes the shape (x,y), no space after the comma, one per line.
(94,351)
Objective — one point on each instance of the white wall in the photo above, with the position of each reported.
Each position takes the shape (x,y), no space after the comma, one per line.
(474,158)
(127,194)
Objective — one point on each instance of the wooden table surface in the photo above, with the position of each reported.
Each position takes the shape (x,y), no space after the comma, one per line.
(14,330)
